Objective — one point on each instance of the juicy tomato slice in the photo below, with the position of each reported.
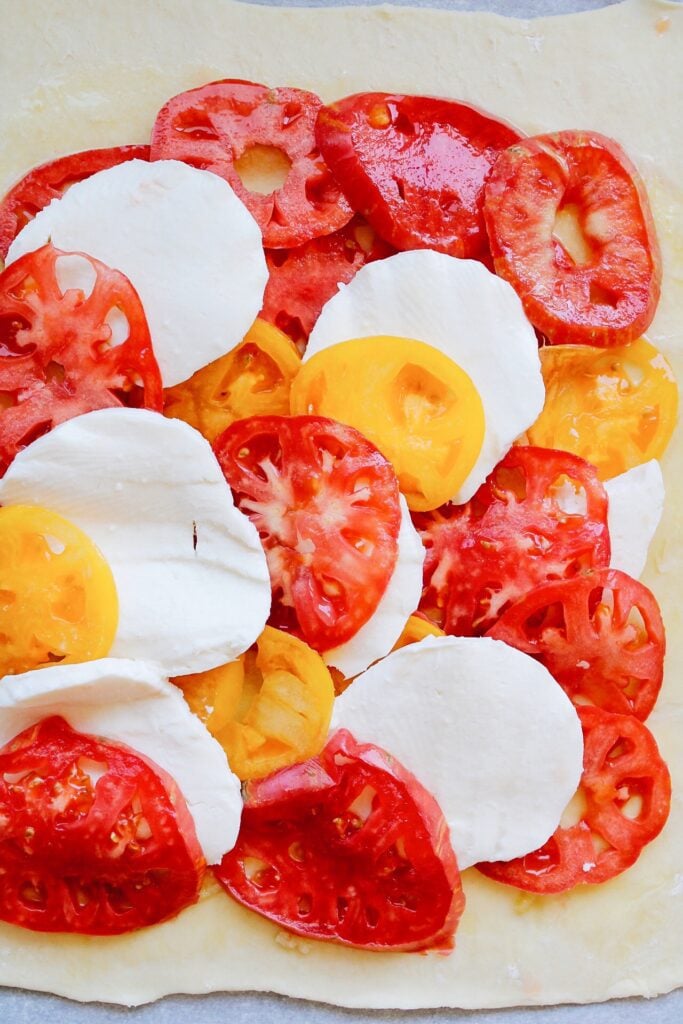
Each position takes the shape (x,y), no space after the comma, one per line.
(50,181)
(269,709)
(303,279)
(600,635)
(326,505)
(253,379)
(61,352)
(58,601)
(347,847)
(615,408)
(622,804)
(95,839)
(226,126)
(419,407)
(570,228)
(540,515)
(415,166)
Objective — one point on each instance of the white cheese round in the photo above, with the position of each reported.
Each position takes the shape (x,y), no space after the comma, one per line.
(189,246)
(131,702)
(189,568)
(484,727)
(636,501)
(466,312)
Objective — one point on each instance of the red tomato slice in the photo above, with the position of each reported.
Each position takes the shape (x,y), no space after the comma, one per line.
(415,166)
(214,126)
(606,291)
(303,279)
(56,354)
(95,839)
(325,503)
(625,790)
(50,181)
(600,635)
(540,515)
(348,847)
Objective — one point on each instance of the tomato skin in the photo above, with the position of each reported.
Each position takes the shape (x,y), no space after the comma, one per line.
(590,647)
(50,181)
(609,296)
(326,505)
(385,882)
(213,126)
(513,535)
(621,761)
(415,166)
(62,871)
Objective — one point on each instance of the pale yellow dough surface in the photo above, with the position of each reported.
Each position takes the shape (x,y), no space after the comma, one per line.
(76,75)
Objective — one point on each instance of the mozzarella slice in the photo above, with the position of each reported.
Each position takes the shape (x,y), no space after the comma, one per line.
(399,601)
(485,728)
(465,311)
(191,249)
(189,568)
(131,702)
(636,501)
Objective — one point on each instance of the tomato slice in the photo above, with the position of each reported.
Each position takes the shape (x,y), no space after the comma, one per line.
(348,847)
(326,505)
(624,796)
(59,354)
(95,839)
(570,228)
(220,124)
(415,166)
(540,515)
(50,181)
(303,279)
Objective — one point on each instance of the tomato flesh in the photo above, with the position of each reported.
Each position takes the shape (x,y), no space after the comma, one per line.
(347,847)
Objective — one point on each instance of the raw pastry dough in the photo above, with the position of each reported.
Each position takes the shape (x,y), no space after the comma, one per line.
(77,75)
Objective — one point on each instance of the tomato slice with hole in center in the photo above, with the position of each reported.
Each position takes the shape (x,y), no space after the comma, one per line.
(347,847)
(622,804)
(95,839)
(326,505)
(63,353)
(540,515)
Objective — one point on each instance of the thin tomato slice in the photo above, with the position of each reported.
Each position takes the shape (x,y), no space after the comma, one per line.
(624,798)
(222,126)
(348,847)
(326,505)
(61,352)
(50,181)
(570,228)
(415,166)
(540,515)
(95,839)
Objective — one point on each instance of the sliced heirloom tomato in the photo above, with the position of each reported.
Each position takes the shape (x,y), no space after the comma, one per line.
(616,408)
(253,379)
(62,352)
(95,839)
(270,708)
(570,228)
(326,505)
(348,847)
(540,515)
(623,803)
(50,181)
(229,126)
(415,166)
(58,601)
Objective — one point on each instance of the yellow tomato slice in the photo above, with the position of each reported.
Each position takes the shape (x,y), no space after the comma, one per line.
(615,407)
(416,629)
(58,600)
(270,708)
(251,380)
(419,407)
